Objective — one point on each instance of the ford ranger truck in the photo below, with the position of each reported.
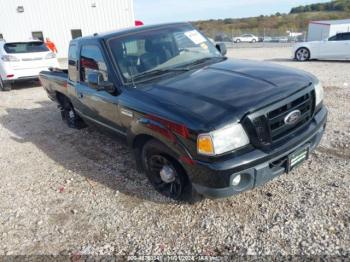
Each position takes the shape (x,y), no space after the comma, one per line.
(199,124)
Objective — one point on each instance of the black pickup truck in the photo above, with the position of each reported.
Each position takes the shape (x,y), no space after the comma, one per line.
(199,123)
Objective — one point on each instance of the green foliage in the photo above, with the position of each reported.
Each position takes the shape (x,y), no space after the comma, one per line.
(277,24)
(337,5)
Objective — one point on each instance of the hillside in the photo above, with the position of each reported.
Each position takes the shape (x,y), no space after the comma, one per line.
(275,25)
(338,5)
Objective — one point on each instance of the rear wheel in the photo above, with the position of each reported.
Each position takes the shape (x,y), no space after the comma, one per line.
(165,173)
(302,54)
(238,40)
(4,87)
(253,41)
(69,115)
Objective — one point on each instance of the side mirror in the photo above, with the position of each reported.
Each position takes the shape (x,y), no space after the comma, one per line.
(222,48)
(95,80)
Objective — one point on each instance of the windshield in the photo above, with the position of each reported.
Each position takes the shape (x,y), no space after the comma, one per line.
(160,50)
(30,47)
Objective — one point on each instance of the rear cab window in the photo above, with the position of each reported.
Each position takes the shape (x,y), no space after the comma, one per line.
(22,48)
(73,74)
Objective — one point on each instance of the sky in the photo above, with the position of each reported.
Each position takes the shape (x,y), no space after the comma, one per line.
(161,11)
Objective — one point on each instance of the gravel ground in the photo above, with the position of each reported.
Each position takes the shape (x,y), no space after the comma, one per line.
(77,192)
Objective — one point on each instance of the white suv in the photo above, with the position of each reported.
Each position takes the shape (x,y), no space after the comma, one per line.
(246,38)
(23,61)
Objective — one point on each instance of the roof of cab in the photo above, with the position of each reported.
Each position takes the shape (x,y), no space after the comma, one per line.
(124,31)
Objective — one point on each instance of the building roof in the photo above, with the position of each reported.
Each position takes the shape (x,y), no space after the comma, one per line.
(332,22)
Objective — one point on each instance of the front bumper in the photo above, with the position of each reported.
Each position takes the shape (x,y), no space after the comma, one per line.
(256,167)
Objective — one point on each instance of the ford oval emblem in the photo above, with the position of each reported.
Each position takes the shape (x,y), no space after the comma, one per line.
(292,118)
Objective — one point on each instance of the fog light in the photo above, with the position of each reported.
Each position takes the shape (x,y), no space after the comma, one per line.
(237,180)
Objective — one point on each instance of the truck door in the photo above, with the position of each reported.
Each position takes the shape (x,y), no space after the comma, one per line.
(99,107)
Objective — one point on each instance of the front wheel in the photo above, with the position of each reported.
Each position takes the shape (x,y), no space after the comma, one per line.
(164,173)
(4,87)
(302,54)
(253,41)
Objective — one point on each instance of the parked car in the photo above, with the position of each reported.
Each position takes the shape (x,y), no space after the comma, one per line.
(283,39)
(246,38)
(267,39)
(197,122)
(336,47)
(21,61)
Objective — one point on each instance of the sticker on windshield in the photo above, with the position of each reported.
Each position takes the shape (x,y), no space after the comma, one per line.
(195,37)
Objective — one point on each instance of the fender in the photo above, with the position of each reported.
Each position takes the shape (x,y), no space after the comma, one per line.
(160,130)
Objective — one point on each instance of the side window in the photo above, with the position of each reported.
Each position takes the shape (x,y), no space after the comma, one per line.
(73,63)
(346,36)
(338,37)
(91,60)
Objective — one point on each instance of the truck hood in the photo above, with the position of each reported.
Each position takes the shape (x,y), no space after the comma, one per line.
(225,92)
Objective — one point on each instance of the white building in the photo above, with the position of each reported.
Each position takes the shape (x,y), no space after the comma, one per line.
(320,30)
(62,20)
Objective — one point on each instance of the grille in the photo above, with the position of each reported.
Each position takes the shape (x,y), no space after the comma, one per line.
(276,117)
(270,127)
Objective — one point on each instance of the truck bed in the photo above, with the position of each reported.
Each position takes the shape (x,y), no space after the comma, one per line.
(54,81)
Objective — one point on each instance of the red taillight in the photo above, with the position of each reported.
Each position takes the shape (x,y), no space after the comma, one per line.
(10,76)
(179,129)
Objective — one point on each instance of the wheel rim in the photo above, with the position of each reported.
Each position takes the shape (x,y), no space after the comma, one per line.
(71,114)
(302,54)
(71,117)
(156,164)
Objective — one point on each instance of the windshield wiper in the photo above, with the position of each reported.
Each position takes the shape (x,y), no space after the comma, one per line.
(158,72)
(203,60)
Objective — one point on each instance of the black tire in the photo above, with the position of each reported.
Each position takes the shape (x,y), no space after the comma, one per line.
(4,87)
(69,115)
(302,54)
(253,41)
(155,156)
(238,41)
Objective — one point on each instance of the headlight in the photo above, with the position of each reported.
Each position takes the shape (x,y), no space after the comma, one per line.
(319,93)
(222,141)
